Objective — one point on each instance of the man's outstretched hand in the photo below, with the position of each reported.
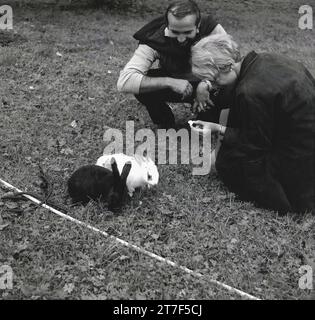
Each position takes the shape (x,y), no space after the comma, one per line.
(182,87)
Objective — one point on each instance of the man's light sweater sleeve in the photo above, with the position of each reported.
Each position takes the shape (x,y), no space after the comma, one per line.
(131,76)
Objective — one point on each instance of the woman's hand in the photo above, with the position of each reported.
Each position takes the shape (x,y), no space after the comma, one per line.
(205,127)
(202,100)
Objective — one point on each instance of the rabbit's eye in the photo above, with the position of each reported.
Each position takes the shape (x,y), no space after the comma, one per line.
(149,177)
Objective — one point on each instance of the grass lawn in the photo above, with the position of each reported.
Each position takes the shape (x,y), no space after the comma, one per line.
(58,66)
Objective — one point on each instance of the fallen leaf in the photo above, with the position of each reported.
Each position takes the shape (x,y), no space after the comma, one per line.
(155,236)
(140,296)
(307,225)
(74,124)
(27,290)
(229,248)
(68,287)
(244,222)
(35,233)
(197,258)
(11,205)
(170,197)
(182,293)
(67,151)
(60,294)
(21,247)
(62,142)
(8,194)
(124,258)
(43,289)
(51,143)
(3,226)
(206,200)
(55,168)
(102,296)
(222,197)
(26,205)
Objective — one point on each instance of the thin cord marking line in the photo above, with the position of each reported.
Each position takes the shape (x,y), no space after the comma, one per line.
(136,248)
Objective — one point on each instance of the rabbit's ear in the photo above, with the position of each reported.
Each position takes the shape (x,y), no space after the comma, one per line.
(149,160)
(138,158)
(114,167)
(141,157)
(125,171)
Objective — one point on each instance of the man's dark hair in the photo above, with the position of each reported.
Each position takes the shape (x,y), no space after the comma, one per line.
(181,9)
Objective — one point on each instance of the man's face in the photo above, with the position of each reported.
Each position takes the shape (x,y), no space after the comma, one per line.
(184,30)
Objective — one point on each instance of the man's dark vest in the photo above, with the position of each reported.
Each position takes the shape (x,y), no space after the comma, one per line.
(174,60)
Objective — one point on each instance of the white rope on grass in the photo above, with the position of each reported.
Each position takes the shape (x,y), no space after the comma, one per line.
(134,247)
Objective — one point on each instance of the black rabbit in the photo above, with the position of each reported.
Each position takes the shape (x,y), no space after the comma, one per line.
(97,183)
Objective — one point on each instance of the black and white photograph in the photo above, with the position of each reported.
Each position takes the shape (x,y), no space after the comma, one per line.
(158,154)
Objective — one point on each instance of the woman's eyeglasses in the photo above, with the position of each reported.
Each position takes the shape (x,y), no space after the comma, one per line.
(224,69)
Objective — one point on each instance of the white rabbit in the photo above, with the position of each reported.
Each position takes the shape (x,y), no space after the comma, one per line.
(143,173)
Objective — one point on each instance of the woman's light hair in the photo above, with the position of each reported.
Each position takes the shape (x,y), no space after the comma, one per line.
(212,54)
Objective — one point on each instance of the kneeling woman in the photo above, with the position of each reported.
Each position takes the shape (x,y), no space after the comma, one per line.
(267,153)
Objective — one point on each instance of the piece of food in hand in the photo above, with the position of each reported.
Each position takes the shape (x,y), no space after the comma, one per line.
(194,124)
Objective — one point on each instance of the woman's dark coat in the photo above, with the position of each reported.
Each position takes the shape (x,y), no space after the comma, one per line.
(268,151)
